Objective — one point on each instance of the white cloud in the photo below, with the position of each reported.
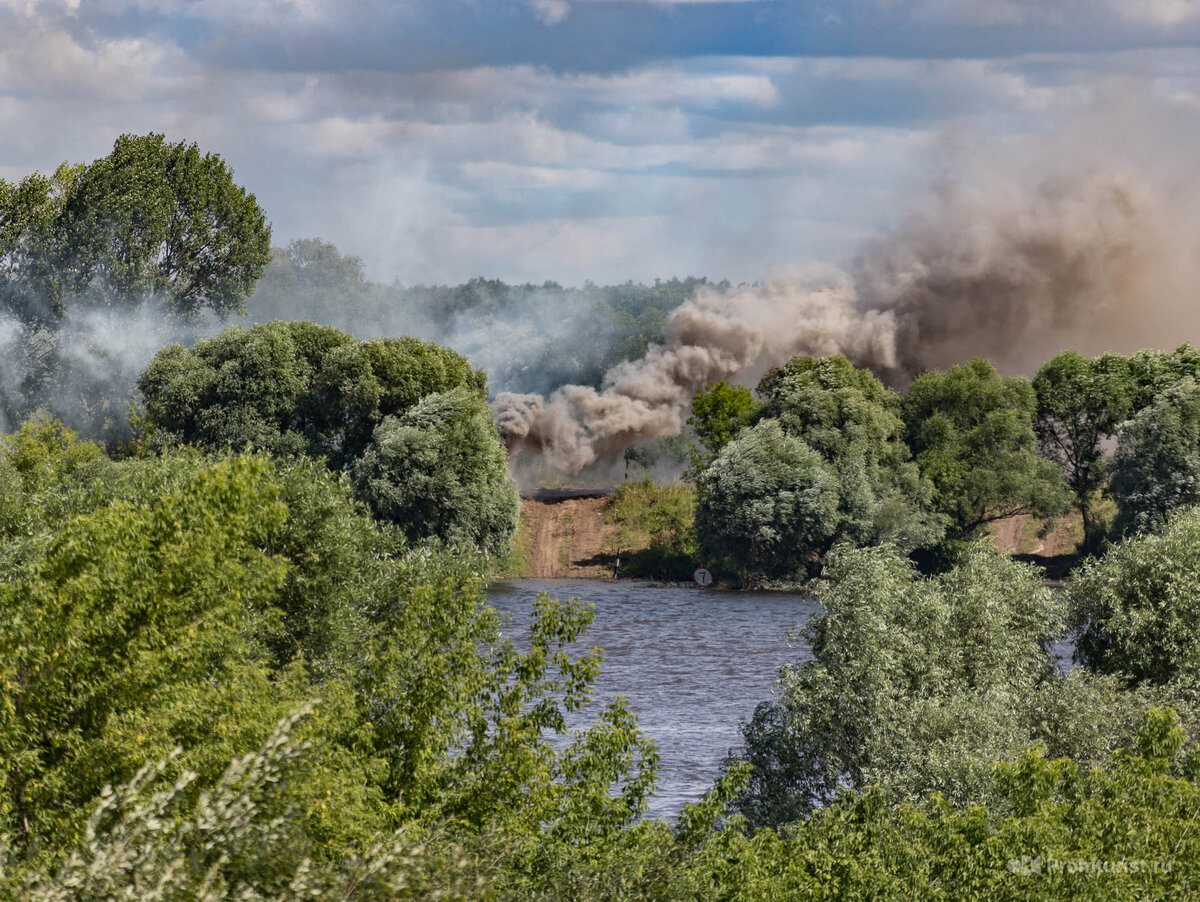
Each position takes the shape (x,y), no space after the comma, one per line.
(726,165)
(674,2)
(551,12)
(1157,12)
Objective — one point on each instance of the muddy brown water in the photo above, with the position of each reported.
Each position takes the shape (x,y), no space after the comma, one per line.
(692,664)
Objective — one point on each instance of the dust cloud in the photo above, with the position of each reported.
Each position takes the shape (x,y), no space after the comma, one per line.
(1085,239)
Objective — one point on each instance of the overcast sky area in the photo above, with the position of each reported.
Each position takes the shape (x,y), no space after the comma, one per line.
(581,139)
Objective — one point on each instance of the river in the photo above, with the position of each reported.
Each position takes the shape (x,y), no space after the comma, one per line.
(692,663)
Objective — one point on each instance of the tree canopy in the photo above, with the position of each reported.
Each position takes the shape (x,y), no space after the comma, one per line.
(153,219)
(971,432)
(1136,607)
(767,503)
(408,417)
(1156,468)
(1080,404)
(826,462)
(918,685)
(440,469)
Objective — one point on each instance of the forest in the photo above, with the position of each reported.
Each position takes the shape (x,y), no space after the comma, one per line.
(246,652)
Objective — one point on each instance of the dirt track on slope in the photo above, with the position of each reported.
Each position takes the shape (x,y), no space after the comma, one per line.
(568,538)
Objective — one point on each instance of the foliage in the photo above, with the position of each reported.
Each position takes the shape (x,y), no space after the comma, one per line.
(152,219)
(1157,464)
(1136,608)
(1153,371)
(767,504)
(844,425)
(441,470)
(240,838)
(407,416)
(291,387)
(971,432)
(1080,403)
(918,685)
(656,535)
(187,601)
(307,275)
(29,212)
(719,412)
(1054,831)
(851,419)
(129,624)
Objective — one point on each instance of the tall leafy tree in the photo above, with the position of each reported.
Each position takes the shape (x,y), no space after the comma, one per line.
(719,412)
(918,685)
(407,416)
(30,213)
(158,218)
(767,504)
(852,420)
(289,387)
(1080,404)
(1136,607)
(441,469)
(971,432)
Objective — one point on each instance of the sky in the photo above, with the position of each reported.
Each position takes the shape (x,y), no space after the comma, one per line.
(568,140)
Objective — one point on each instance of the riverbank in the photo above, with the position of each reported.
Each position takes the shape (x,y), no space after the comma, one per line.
(567,537)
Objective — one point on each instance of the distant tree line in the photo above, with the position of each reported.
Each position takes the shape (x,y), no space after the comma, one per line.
(528,337)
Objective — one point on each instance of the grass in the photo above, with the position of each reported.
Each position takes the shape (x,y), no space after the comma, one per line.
(514,564)
(656,536)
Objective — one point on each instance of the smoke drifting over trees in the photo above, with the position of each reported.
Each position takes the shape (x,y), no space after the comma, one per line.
(1084,239)
(714,336)
(1015,259)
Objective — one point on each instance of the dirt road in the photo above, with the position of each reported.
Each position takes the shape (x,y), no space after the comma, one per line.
(567,538)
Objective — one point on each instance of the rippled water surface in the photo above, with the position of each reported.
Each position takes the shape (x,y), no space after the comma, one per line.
(693,664)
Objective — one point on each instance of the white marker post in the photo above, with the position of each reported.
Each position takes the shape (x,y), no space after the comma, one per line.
(702,578)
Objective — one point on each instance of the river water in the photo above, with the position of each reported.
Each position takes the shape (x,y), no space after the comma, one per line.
(692,663)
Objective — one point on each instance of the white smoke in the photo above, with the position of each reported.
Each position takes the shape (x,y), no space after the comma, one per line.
(83,371)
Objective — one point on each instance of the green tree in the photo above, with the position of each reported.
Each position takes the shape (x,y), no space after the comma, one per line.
(1156,468)
(852,420)
(656,528)
(719,412)
(360,383)
(1136,608)
(918,685)
(441,469)
(971,432)
(1151,372)
(156,218)
(1055,831)
(29,212)
(108,655)
(1080,404)
(312,279)
(293,387)
(767,504)
(182,600)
